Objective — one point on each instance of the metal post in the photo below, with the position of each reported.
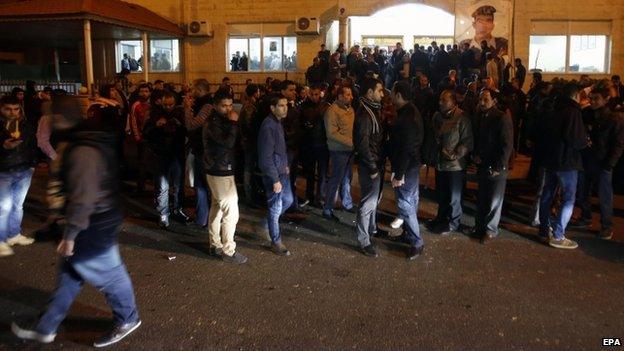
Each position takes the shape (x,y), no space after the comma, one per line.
(145,56)
(88,54)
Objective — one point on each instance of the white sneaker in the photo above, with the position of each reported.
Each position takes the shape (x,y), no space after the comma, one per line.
(21,240)
(5,250)
(396,224)
(31,334)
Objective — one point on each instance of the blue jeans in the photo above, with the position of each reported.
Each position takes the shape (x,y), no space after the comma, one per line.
(13,189)
(407,203)
(567,181)
(202,192)
(341,174)
(169,174)
(602,179)
(277,204)
(96,261)
(366,219)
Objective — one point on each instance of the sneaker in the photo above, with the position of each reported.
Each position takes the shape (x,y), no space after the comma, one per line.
(397,223)
(5,250)
(605,234)
(280,249)
(117,334)
(304,203)
(21,240)
(213,251)
(181,217)
(27,334)
(163,222)
(564,243)
(236,258)
(370,251)
(331,216)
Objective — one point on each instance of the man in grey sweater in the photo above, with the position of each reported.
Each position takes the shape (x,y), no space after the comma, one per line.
(339,119)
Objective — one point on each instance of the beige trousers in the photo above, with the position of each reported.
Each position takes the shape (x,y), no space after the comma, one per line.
(223,213)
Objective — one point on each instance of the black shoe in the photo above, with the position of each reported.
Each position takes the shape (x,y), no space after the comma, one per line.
(280,249)
(296,211)
(414,252)
(163,223)
(214,252)
(236,258)
(580,223)
(445,230)
(380,233)
(487,237)
(117,334)
(370,251)
(400,238)
(431,224)
(331,217)
(181,217)
(353,209)
(304,203)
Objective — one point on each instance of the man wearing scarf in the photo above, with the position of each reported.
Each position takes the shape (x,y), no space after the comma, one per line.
(367,145)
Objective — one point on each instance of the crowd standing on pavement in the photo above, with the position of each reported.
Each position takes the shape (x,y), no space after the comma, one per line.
(450,110)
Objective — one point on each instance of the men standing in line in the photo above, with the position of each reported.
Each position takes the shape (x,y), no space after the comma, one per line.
(407,140)
(339,119)
(17,160)
(368,144)
(165,136)
(606,135)
(566,137)
(314,154)
(453,139)
(220,133)
(495,145)
(273,162)
(196,111)
(138,116)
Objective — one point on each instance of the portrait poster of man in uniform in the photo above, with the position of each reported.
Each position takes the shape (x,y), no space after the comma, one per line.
(485,20)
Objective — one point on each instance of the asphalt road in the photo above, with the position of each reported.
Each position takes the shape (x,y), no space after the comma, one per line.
(512,294)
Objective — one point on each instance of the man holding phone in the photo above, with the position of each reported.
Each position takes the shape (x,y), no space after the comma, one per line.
(17,159)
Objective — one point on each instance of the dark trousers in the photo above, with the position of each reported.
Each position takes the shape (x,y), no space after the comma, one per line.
(141,165)
(594,176)
(490,198)
(449,188)
(315,164)
(202,192)
(366,220)
(293,162)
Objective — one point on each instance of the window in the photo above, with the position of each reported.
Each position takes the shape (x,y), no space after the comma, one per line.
(547,52)
(134,51)
(570,46)
(587,53)
(256,53)
(164,55)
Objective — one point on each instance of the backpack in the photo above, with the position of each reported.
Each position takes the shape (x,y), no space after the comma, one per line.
(134,65)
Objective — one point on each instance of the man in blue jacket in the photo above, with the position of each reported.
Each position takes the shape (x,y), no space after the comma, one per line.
(273,162)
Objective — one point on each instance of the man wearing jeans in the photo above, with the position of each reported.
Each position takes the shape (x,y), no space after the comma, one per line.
(339,119)
(368,143)
(566,137)
(165,136)
(495,144)
(606,133)
(220,133)
(273,162)
(17,158)
(407,138)
(89,249)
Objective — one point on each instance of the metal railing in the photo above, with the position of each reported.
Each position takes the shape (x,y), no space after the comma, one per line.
(69,87)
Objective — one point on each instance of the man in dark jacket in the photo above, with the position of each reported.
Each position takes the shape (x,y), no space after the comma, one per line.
(565,138)
(273,162)
(197,108)
(606,134)
(165,135)
(367,144)
(407,140)
(89,249)
(17,159)
(453,143)
(495,145)
(220,133)
(314,153)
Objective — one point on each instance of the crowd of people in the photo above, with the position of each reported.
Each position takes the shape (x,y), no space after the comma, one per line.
(356,113)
